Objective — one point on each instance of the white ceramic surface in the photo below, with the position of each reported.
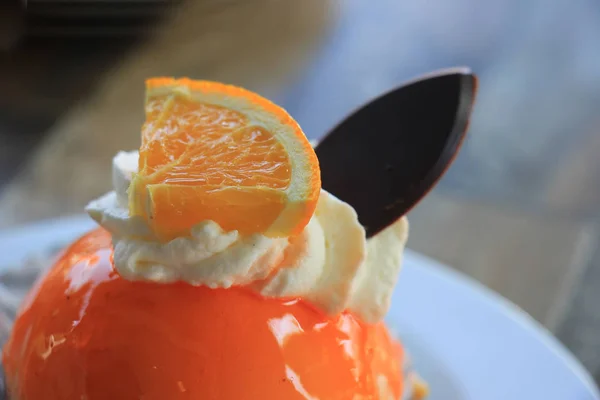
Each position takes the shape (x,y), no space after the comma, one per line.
(469,343)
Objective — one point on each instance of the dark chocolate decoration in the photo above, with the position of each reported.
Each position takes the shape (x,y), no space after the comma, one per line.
(385,156)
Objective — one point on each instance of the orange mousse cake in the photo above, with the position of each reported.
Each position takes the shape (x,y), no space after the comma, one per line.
(220,270)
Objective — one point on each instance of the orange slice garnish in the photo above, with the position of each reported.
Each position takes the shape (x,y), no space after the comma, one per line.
(216,152)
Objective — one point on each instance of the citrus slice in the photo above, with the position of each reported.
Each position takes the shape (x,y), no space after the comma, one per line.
(216,152)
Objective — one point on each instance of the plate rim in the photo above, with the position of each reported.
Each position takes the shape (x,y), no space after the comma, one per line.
(509,309)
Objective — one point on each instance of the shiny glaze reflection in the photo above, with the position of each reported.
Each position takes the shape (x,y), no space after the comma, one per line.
(85,333)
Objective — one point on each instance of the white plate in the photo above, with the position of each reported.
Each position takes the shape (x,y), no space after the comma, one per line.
(469,343)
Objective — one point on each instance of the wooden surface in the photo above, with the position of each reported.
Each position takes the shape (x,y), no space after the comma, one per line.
(519,211)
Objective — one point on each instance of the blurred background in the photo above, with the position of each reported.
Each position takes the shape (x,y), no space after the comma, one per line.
(520,209)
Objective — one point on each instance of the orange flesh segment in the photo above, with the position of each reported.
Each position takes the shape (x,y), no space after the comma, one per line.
(243,163)
(84,332)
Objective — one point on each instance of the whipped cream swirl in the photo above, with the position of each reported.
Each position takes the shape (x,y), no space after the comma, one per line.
(330,264)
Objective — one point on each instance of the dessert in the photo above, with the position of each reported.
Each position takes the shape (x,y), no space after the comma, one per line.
(221,270)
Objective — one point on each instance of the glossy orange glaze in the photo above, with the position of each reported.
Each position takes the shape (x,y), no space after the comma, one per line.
(85,333)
